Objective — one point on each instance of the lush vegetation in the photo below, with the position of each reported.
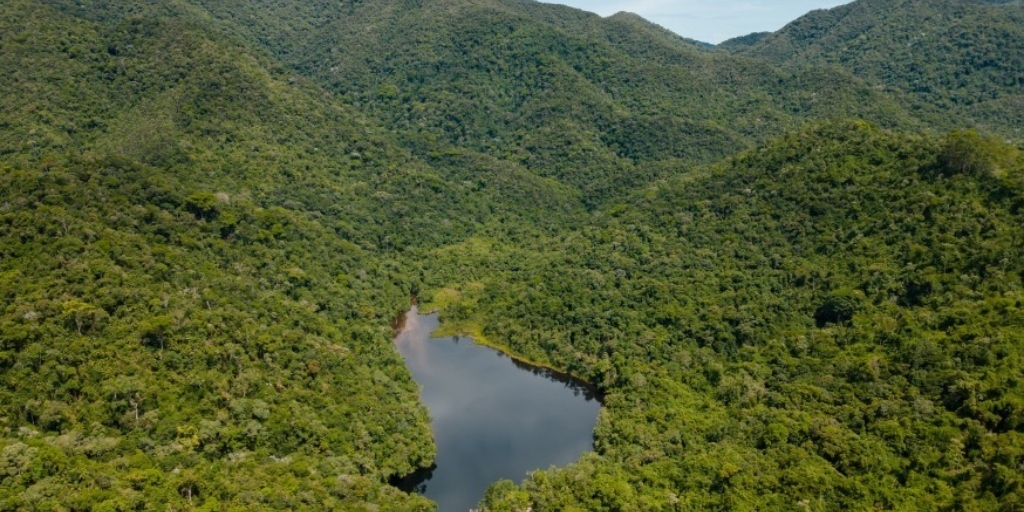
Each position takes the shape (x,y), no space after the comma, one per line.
(196,282)
(167,347)
(956,55)
(600,105)
(210,212)
(833,319)
(176,328)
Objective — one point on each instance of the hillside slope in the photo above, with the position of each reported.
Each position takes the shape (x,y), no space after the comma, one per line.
(601,105)
(963,56)
(833,319)
(199,269)
(181,323)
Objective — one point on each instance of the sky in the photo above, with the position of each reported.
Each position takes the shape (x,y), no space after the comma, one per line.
(711,21)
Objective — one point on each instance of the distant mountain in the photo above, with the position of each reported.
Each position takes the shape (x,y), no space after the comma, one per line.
(743,42)
(599,104)
(965,57)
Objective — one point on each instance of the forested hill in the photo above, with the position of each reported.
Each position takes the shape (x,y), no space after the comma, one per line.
(830,321)
(198,271)
(597,104)
(211,211)
(963,56)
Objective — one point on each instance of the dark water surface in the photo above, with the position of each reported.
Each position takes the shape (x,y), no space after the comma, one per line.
(492,417)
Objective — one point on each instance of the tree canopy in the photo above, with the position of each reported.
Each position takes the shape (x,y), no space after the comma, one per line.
(792,263)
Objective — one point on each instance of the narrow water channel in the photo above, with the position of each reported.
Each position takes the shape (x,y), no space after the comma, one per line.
(492,417)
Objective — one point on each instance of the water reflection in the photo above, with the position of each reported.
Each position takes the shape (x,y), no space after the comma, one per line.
(490,419)
(578,387)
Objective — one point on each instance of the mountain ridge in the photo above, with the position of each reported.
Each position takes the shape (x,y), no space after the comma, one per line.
(962,64)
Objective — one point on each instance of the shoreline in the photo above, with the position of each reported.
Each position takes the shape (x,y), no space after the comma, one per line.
(474,333)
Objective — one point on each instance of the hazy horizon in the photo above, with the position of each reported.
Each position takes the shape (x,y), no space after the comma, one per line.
(709,22)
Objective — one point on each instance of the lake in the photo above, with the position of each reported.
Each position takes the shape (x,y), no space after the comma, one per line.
(492,417)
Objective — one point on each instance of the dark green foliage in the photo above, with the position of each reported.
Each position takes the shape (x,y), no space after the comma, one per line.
(210,211)
(202,204)
(963,56)
(971,153)
(838,308)
(149,359)
(743,42)
(599,105)
(818,320)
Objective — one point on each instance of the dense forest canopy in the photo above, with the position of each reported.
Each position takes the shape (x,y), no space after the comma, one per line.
(960,56)
(792,263)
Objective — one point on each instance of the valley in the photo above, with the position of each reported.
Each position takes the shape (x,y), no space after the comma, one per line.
(790,264)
